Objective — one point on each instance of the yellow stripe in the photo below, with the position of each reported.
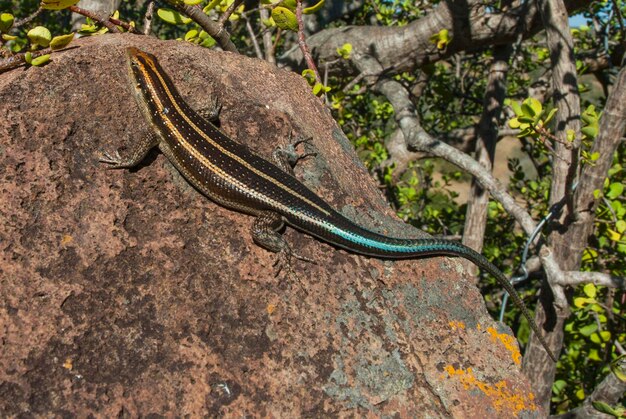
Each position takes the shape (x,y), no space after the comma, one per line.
(202,159)
(212,142)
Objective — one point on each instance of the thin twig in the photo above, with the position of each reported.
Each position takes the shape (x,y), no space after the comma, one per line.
(147,19)
(620,19)
(255,43)
(279,32)
(302,43)
(27,19)
(94,16)
(130,28)
(18,59)
(270,48)
(226,15)
(215,30)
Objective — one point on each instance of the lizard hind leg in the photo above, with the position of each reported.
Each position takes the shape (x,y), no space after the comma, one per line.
(265,233)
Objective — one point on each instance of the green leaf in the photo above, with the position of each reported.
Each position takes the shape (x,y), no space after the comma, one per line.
(41,60)
(7,37)
(269,23)
(61,41)
(290,4)
(589,115)
(212,4)
(604,408)
(285,18)
(57,4)
(344,51)
(207,41)
(192,2)
(590,290)
(558,386)
(39,36)
(580,302)
(550,116)
(516,108)
(441,38)
(615,190)
(309,75)
(613,235)
(588,330)
(172,17)
(620,225)
(580,394)
(590,131)
(314,8)
(317,88)
(514,123)
(6,22)
(594,355)
(28,57)
(618,366)
(191,34)
(526,119)
(531,107)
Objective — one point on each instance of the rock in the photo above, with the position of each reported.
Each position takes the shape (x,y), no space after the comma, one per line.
(127,293)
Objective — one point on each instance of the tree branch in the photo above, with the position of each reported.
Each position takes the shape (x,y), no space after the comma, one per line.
(574,278)
(406,48)
(476,215)
(217,31)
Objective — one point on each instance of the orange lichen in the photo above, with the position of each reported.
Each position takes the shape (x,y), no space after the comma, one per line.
(271,308)
(509,343)
(66,239)
(454,324)
(503,399)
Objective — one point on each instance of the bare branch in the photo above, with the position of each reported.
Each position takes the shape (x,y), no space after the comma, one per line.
(214,29)
(104,21)
(147,20)
(16,60)
(27,19)
(255,43)
(574,278)
(270,51)
(476,216)
(409,47)
(559,256)
(226,15)
(302,43)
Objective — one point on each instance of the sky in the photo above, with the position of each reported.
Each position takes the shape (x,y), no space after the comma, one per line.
(577,20)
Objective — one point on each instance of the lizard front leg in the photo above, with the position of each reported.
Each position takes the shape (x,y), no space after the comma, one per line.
(287,157)
(133,156)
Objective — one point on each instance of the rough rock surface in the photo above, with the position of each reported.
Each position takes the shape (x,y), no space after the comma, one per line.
(126,293)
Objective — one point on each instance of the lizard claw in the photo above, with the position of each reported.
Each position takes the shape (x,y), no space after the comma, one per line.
(114,160)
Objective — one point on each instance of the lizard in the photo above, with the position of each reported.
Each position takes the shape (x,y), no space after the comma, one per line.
(233,176)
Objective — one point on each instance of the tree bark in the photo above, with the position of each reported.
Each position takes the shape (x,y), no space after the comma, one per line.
(537,365)
(478,202)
